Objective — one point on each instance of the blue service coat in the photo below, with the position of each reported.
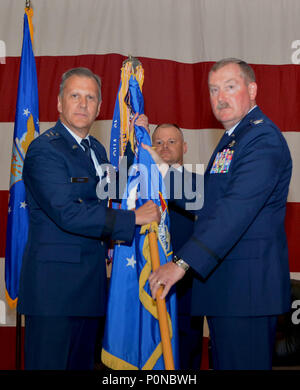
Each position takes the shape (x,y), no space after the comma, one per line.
(181,229)
(239,247)
(182,221)
(63,270)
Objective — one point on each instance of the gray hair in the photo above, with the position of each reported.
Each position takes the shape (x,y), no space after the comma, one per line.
(81,72)
(247,71)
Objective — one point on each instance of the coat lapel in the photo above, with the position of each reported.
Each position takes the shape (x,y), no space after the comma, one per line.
(242,127)
(99,152)
(74,148)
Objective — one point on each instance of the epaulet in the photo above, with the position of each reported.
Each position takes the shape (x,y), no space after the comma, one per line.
(51,134)
(257,121)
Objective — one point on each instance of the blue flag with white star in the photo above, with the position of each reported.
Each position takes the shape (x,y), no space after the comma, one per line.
(25,130)
(132,339)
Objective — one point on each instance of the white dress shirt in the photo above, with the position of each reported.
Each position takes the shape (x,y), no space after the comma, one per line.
(97,166)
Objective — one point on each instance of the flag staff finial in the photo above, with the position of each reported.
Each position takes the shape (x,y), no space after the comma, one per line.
(29,13)
(134,61)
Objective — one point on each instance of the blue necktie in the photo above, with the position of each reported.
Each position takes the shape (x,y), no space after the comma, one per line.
(87,149)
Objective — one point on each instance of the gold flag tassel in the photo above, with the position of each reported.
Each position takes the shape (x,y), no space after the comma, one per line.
(130,67)
(29,13)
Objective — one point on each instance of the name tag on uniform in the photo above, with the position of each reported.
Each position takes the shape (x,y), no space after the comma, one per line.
(79,179)
(222,161)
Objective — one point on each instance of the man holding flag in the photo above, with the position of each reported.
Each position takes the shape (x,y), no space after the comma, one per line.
(239,249)
(63,277)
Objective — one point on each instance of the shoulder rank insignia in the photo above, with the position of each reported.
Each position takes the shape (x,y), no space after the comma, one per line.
(256,122)
(50,134)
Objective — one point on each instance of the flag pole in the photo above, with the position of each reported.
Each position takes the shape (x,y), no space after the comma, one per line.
(18,340)
(161,304)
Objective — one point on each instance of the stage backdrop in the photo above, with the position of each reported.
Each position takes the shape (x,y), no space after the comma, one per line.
(177,42)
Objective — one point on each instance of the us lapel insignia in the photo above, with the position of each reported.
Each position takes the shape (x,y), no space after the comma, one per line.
(74,146)
(232,143)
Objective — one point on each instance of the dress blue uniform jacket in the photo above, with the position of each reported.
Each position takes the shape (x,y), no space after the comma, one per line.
(181,229)
(63,270)
(239,247)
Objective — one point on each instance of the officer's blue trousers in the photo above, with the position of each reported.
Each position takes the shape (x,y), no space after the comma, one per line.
(60,343)
(242,343)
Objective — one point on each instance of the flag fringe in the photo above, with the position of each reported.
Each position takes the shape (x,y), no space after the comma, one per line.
(12,303)
(116,363)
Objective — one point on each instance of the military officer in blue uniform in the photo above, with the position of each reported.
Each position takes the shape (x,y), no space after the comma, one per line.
(169,143)
(63,277)
(239,248)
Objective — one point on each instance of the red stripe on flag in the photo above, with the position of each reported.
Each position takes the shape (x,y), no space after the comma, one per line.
(173,91)
(292,226)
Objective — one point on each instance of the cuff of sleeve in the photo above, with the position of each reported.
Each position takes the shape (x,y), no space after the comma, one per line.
(199,257)
(119,225)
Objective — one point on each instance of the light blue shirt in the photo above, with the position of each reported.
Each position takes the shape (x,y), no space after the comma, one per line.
(230,131)
(97,166)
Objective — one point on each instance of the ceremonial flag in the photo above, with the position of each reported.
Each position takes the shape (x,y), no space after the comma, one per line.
(25,130)
(132,336)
